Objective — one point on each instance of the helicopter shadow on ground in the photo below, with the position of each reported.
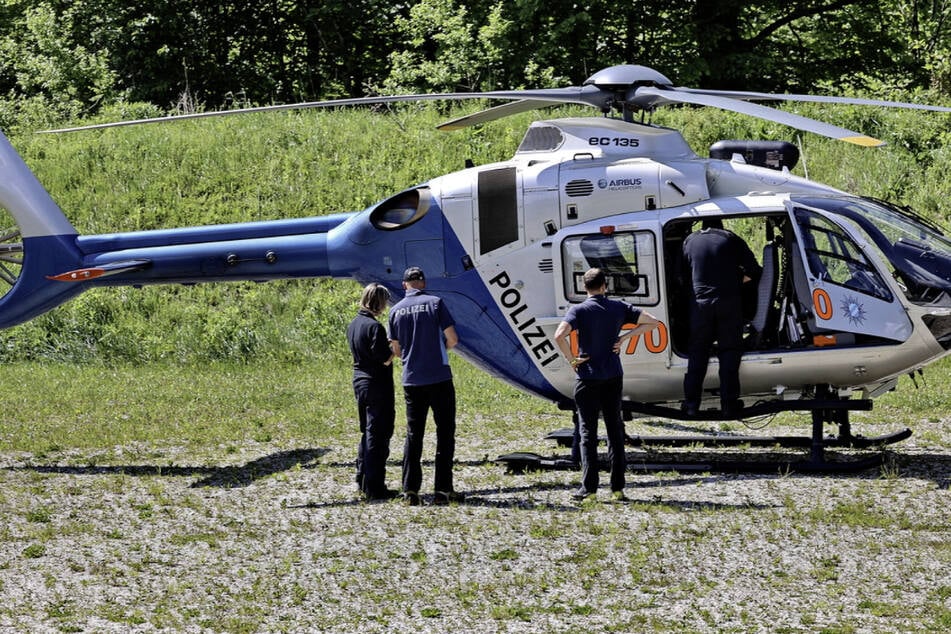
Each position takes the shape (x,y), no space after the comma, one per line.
(935,467)
(524,498)
(227,477)
(931,466)
(700,427)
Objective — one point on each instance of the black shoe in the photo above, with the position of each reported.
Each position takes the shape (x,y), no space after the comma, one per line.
(689,409)
(443,498)
(732,410)
(411,498)
(383,495)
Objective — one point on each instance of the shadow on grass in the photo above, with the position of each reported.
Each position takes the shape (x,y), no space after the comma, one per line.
(224,477)
(930,466)
(537,497)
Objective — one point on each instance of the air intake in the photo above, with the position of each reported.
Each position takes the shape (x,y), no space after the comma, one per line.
(541,139)
(579,188)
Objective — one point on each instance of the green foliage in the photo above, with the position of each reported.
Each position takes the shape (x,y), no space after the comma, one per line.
(47,72)
(34,551)
(63,59)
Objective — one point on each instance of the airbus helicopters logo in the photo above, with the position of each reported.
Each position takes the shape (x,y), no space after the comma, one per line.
(618,184)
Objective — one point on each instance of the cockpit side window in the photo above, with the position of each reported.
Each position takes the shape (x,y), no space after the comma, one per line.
(629,259)
(832,256)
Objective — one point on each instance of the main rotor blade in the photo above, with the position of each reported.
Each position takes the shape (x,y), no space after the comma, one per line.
(855,101)
(586,95)
(652,97)
(491,114)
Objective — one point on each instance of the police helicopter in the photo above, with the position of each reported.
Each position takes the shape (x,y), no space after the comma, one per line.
(854,291)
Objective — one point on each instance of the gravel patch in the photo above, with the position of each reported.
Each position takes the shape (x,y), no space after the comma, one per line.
(265,538)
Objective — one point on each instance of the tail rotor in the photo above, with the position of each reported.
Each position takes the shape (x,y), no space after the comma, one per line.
(11,254)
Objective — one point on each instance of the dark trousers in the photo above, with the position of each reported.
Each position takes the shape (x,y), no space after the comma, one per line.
(441,398)
(720,321)
(376,409)
(591,398)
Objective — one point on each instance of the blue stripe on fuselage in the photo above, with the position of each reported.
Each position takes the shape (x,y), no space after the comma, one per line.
(33,294)
(485,337)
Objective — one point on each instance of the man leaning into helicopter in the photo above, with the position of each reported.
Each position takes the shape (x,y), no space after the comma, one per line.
(719,263)
(598,321)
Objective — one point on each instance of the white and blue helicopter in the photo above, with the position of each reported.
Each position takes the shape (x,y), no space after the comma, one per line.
(855,292)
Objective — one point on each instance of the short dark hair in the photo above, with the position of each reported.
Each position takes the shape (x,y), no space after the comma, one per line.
(594,279)
(414,274)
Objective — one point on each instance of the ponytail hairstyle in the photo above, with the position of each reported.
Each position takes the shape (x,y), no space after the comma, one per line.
(374,298)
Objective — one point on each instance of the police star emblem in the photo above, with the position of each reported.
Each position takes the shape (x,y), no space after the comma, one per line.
(854,310)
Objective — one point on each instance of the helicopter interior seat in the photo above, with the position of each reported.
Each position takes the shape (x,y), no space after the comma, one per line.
(760,325)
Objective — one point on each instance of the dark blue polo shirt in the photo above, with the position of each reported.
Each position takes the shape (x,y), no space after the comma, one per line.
(598,321)
(718,260)
(417,323)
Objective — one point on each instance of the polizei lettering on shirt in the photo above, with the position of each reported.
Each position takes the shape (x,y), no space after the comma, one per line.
(416,308)
(535,338)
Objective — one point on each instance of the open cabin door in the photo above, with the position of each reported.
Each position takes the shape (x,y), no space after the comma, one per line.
(840,290)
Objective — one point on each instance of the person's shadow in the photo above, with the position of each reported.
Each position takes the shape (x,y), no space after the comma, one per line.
(227,477)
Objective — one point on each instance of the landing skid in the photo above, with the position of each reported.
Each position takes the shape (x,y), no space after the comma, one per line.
(823,410)
(564,439)
(521,462)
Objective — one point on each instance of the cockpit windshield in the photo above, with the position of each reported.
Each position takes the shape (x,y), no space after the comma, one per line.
(896,224)
(917,249)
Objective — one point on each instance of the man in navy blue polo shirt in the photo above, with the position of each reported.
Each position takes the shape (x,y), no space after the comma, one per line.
(422,332)
(598,321)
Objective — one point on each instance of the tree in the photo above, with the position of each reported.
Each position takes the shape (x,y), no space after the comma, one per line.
(39,62)
(74,55)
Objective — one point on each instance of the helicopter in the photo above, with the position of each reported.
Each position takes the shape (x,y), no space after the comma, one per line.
(855,292)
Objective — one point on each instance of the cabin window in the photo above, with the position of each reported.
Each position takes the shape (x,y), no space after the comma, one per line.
(498,209)
(833,257)
(628,259)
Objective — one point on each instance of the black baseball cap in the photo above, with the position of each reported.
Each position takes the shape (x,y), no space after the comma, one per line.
(413,274)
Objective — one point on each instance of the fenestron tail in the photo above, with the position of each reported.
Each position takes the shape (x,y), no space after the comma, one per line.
(43,240)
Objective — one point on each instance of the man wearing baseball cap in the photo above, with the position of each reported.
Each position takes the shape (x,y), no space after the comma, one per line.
(421,333)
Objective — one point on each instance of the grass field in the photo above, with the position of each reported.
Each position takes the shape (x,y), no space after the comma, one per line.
(219,498)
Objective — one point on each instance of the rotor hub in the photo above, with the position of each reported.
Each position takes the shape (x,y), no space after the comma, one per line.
(627,76)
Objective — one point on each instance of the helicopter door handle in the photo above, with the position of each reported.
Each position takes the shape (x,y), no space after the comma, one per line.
(676,187)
